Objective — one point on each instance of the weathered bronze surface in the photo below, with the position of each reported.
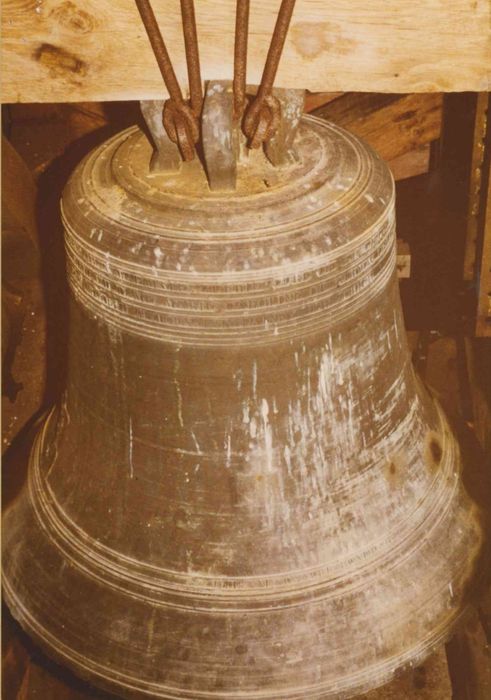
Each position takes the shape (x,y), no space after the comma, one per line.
(245,492)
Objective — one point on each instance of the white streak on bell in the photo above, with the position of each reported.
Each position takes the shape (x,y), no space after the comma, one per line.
(198,448)
(253,428)
(245,413)
(254,378)
(229,451)
(268,436)
(288,459)
(130,449)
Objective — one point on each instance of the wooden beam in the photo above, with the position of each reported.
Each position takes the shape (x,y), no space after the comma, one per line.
(392,124)
(477,181)
(477,354)
(314,100)
(410,164)
(18,194)
(483,325)
(78,50)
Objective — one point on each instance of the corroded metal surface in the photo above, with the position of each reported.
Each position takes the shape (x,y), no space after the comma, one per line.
(280,149)
(240,56)
(263,115)
(245,492)
(166,156)
(180,119)
(192,55)
(220,136)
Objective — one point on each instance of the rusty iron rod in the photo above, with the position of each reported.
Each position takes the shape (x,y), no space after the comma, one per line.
(240,56)
(160,50)
(263,115)
(192,55)
(180,120)
(276,47)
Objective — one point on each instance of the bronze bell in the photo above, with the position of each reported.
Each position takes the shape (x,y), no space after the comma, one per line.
(245,491)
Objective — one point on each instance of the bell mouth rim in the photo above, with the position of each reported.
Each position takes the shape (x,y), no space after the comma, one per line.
(348,686)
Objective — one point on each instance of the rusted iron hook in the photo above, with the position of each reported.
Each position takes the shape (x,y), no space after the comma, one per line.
(263,115)
(180,120)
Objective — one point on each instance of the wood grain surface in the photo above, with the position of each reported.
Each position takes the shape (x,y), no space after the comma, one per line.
(392,124)
(69,50)
(484,300)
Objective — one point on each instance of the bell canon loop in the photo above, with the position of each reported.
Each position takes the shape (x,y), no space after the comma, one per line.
(245,492)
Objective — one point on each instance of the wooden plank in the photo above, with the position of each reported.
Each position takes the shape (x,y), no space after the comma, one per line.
(74,50)
(44,132)
(392,124)
(483,321)
(477,355)
(410,164)
(477,180)
(314,100)
(18,193)
(403,261)
(355,106)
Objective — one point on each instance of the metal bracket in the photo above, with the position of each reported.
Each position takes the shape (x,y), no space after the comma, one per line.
(220,135)
(280,148)
(166,156)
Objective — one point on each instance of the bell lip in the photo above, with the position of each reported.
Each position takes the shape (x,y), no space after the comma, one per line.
(103,676)
(132,687)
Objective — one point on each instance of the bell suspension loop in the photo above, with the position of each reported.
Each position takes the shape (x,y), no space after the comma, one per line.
(180,120)
(261,121)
